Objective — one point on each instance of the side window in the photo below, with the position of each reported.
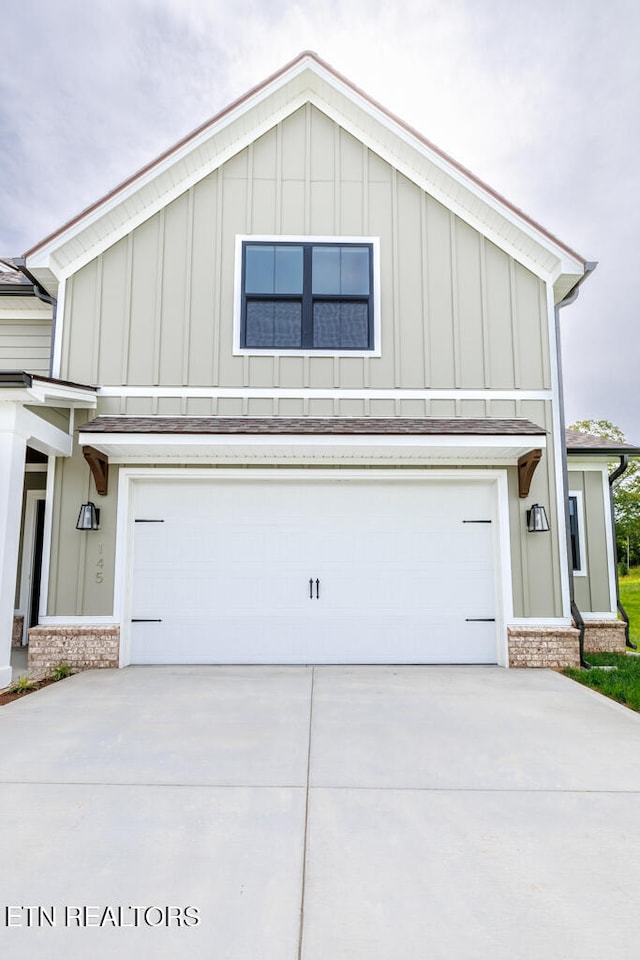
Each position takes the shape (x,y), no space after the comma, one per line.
(306,296)
(576,529)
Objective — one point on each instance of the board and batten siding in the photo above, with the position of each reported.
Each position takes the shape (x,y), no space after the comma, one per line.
(82,566)
(592,592)
(25,344)
(157,307)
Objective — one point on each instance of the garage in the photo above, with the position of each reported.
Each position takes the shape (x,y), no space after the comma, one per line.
(313,569)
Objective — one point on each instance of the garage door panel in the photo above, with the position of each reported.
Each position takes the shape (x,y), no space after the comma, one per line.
(401,577)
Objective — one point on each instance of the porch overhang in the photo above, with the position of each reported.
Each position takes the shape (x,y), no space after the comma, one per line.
(294,440)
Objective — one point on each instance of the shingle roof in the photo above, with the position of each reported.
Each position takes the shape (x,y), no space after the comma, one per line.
(312,425)
(589,443)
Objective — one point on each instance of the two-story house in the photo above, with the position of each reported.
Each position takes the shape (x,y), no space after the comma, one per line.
(304,406)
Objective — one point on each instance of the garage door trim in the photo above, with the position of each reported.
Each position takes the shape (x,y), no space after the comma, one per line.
(128,476)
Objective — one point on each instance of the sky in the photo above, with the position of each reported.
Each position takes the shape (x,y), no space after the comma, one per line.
(539,99)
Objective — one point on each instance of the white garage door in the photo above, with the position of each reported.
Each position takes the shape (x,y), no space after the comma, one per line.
(313,571)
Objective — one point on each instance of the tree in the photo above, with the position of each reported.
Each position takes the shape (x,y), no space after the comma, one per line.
(626,491)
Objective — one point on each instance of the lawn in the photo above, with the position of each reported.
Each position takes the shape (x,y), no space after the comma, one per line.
(623,682)
(630,598)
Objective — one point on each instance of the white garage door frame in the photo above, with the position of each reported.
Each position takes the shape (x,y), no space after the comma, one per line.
(129,476)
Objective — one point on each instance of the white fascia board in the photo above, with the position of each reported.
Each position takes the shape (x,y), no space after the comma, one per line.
(51,256)
(491,450)
(41,394)
(43,436)
(60,395)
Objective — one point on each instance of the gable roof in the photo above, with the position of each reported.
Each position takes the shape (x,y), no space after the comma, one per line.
(307,79)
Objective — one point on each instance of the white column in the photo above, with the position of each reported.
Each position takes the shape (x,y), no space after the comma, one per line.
(13,446)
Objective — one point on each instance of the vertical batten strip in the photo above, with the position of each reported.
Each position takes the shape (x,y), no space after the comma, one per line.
(217,259)
(484,312)
(397,373)
(157,305)
(246,361)
(188,271)
(366,361)
(97,327)
(455,311)
(424,280)
(128,295)
(513,299)
(277,362)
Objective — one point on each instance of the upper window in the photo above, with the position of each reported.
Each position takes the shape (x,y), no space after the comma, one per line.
(307,296)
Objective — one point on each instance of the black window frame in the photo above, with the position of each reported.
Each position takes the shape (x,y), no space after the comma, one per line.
(574,531)
(307,298)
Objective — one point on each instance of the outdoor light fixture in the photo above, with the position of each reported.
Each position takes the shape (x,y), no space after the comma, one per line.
(89,517)
(537,519)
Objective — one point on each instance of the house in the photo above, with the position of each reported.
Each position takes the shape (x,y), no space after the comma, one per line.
(303,406)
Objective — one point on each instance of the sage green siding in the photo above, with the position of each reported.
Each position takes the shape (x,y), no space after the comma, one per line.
(78,558)
(592,592)
(25,345)
(157,307)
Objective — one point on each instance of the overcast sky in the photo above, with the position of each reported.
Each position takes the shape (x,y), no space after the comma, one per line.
(539,99)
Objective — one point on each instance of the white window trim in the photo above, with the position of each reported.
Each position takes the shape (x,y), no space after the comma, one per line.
(238,350)
(582,542)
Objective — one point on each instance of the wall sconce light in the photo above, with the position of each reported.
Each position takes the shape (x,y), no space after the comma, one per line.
(89,517)
(537,519)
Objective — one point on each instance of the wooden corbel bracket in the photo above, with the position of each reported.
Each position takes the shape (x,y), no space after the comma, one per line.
(99,466)
(526,468)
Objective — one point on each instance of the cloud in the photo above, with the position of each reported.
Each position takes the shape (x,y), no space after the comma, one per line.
(537,99)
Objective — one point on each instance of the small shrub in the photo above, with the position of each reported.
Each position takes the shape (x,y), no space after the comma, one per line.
(22,685)
(61,671)
(623,569)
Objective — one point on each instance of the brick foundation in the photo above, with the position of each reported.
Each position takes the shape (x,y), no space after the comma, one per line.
(553,647)
(604,636)
(83,648)
(18,628)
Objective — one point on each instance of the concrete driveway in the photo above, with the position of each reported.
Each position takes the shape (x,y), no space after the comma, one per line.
(369,813)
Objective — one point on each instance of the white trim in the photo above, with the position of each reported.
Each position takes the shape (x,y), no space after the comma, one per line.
(540,622)
(56,357)
(124,527)
(292,449)
(42,435)
(47,539)
(582,540)
(314,393)
(32,497)
(238,350)
(78,621)
(317,88)
(35,468)
(559,453)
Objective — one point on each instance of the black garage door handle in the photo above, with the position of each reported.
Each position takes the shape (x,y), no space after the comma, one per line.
(142,620)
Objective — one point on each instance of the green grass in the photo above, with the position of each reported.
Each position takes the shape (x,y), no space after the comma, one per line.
(623,683)
(630,598)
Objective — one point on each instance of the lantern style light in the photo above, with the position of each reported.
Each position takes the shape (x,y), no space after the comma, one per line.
(89,517)
(537,521)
